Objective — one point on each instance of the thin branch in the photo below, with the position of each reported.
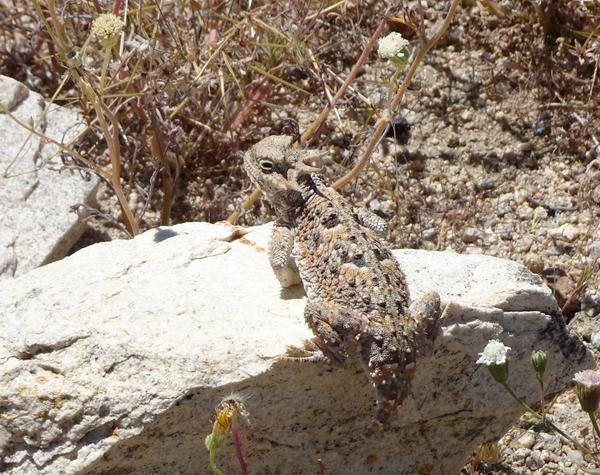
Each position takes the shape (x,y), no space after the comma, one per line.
(247,204)
(314,127)
(62,147)
(382,123)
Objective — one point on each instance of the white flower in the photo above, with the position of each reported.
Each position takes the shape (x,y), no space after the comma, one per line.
(494,353)
(107,27)
(588,390)
(393,46)
(588,378)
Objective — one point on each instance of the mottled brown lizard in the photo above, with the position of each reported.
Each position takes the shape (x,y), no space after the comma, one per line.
(358,300)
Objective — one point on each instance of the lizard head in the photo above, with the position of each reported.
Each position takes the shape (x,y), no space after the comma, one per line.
(275,166)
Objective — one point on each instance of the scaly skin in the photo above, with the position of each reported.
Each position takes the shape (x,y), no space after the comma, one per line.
(357,295)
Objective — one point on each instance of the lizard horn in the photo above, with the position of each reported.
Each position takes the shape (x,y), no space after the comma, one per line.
(309,163)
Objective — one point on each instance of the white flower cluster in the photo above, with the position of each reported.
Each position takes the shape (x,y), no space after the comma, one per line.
(494,353)
(107,27)
(393,46)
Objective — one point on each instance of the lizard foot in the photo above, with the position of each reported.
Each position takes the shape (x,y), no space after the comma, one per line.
(309,352)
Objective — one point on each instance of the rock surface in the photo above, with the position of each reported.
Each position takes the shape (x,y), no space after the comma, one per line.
(113,360)
(36,191)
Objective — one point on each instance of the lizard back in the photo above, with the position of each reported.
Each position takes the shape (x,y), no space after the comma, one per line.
(344,262)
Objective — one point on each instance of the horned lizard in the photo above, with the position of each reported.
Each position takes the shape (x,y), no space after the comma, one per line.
(357,295)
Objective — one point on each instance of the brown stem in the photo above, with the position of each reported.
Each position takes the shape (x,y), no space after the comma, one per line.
(255,96)
(316,125)
(383,122)
(248,202)
(112,140)
(58,26)
(114,151)
(158,148)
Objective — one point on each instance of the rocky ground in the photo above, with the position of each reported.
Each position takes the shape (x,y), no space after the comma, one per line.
(496,151)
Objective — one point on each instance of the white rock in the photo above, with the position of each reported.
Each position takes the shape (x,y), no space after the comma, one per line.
(36,193)
(525,212)
(526,440)
(540,213)
(471,235)
(113,360)
(566,232)
(595,339)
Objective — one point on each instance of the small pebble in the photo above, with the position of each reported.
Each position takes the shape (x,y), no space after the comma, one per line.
(567,232)
(534,461)
(524,212)
(540,213)
(430,234)
(534,263)
(575,456)
(594,250)
(595,339)
(486,184)
(550,442)
(453,141)
(526,440)
(521,454)
(525,245)
(595,195)
(505,231)
(471,235)
(133,200)
(525,147)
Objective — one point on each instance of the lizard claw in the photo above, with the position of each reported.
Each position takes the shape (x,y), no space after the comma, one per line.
(309,352)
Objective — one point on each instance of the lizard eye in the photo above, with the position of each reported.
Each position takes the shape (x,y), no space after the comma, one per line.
(266,166)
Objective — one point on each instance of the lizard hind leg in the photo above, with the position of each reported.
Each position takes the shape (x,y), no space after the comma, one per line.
(425,323)
(330,323)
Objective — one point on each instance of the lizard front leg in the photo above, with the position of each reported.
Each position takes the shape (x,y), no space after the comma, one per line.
(280,255)
(370,220)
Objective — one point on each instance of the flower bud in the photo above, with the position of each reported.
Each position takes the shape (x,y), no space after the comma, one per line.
(539,360)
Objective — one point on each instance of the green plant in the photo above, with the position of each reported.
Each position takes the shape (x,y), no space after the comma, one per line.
(495,358)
